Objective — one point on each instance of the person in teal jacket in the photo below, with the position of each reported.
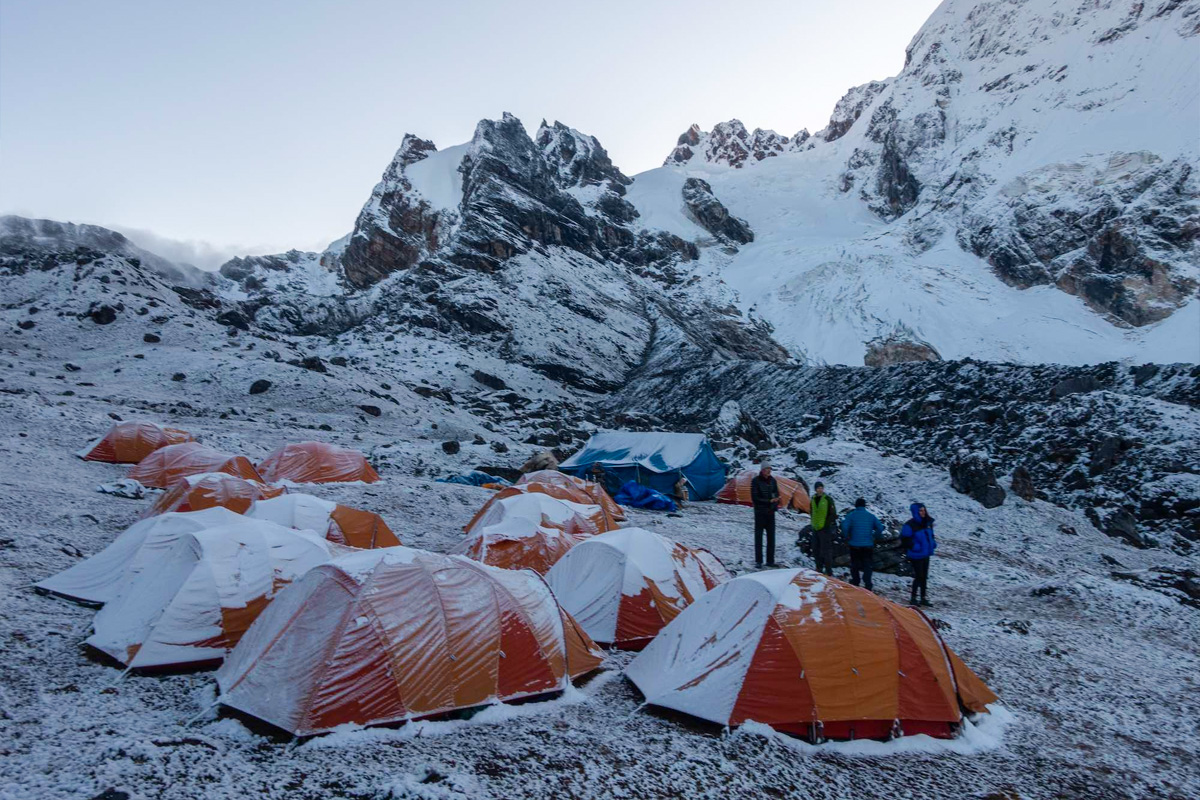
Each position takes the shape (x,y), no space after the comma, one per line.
(862,529)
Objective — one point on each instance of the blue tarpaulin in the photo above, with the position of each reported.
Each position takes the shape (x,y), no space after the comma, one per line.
(473,478)
(634,495)
(655,460)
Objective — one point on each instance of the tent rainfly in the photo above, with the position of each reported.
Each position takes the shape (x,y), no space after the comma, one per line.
(387,635)
(582,491)
(142,546)
(341,524)
(130,442)
(199,599)
(736,491)
(209,489)
(317,462)
(656,460)
(625,585)
(811,656)
(534,501)
(167,465)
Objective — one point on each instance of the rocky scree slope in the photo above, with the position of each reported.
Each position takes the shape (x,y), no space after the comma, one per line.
(1115,441)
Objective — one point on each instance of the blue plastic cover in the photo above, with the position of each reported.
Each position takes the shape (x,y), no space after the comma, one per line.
(634,495)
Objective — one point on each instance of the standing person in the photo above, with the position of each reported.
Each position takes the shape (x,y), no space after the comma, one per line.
(764,495)
(823,514)
(680,493)
(917,536)
(862,530)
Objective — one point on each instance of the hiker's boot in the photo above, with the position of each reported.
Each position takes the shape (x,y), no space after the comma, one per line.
(913,600)
(925,602)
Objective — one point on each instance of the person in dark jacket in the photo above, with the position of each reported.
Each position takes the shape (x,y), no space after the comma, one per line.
(917,536)
(764,495)
(862,529)
(823,515)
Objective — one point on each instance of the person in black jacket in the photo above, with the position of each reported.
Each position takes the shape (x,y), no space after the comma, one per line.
(764,494)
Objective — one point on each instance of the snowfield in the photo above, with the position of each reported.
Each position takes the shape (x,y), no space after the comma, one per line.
(1098,677)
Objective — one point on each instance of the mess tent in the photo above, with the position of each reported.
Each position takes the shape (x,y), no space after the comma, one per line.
(383,636)
(209,489)
(317,462)
(338,523)
(167,465)
(192,605)
(625,585)
(130,442)
(655,460)
(810,656)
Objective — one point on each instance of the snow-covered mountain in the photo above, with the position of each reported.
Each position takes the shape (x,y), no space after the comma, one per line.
(1025,189)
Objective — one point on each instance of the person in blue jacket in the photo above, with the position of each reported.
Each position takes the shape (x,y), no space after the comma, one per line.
(862,529)
(917,536)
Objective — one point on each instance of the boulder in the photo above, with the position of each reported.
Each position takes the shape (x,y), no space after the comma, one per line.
(972,474)
(1081,384)
(259,386)
(488,380)
(712,215)
(888,556)
(451,447)
(1022,483)
(103,314)
(151,338)
(542,459)
(374,411)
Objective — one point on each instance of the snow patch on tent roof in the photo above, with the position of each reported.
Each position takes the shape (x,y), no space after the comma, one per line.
(360,565)
(655,451)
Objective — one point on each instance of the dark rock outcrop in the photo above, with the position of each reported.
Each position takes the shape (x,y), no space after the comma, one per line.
(884,352)
(712,215)
(972,474)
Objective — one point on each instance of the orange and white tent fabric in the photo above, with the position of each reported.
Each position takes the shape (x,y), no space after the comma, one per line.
(579,490)
(341,524)
(167,465)
(387,635)
(209,489)
(808,655)
(130,442)
(317,462)
(625,585)
(199,599)
(542,504)
(520,529)
(737,491)
(142,546)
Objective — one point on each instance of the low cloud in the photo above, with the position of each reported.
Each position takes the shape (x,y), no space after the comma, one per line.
(198,253)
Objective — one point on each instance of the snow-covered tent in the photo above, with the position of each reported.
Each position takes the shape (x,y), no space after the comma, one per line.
(204,593)
(625,585)
(394,634)
(142,546)
(561,507)
(317,462)
(130,442)
(736,491)
(580,490)
(656,460)
(167,465)
(209,489)
(341,524)
(808,655)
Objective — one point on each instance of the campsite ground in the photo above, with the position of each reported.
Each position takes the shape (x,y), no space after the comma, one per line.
(1101,677)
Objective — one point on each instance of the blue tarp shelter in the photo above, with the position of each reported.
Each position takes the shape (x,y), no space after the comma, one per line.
(652,459)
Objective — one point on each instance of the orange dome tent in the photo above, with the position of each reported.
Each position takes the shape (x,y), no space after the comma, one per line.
(130,442)
(167,465)
(198,600)
(737,491)
(317,462)
(208,489)
(625,585)
(580,491)
(338,523)
(140,547)
(808,655)
(386,635)
(585,516)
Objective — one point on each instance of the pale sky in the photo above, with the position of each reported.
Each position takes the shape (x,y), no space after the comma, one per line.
(210,129)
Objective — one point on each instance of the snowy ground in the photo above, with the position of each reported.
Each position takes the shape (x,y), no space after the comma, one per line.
(1102,679)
